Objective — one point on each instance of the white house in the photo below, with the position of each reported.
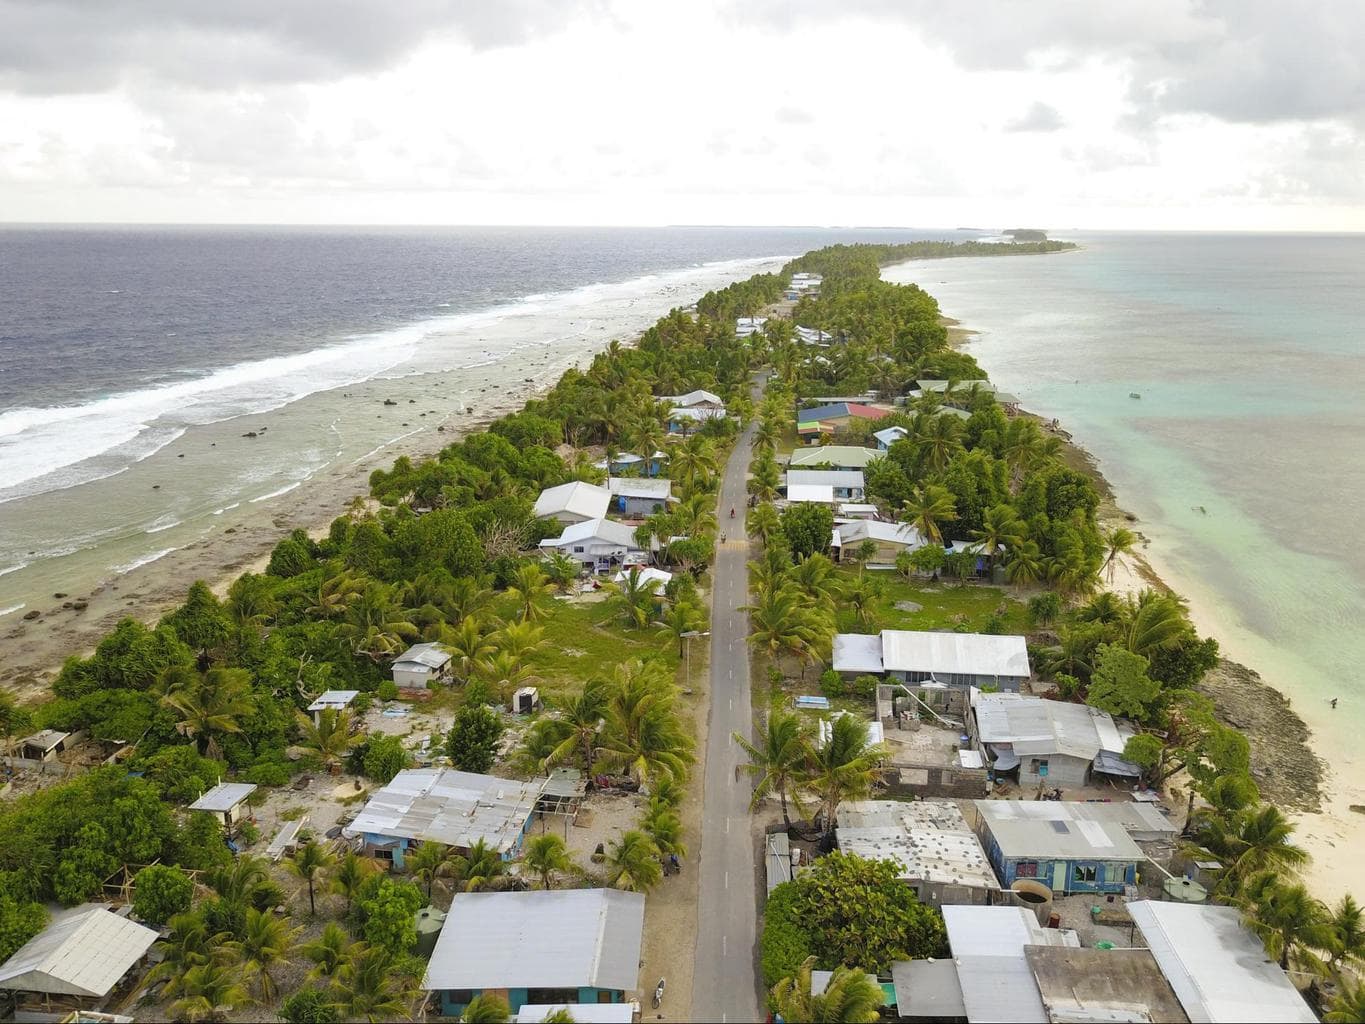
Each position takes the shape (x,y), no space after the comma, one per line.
(574,502)
(695,399)
(818,494)
(421,666)
(890,539)
(639,496)
(813,336)
(599,544)
(889,436)
(688,419)
(747,325)
(847,484)
(954,659)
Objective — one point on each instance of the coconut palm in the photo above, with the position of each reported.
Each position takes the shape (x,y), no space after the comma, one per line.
(334,595)
(1001,529)
(519,639)
(308,862)
(763,522)
(502,673)
(842,767)
(1290,922)
(476,868)
(210,705)
(376,625)
(633,862)
(265,942)
(783,621)
(468,643)
(1348,1007)
(1024,564)
(366,986)
(426,862)
(680,618)
(635,597)
(861,595)
(1249,842)
(530,589)
(187,944)
(814,576)
(328,951)
(778,759)
(641,734)
(848,996)
(583,711)
(1118,542)
(939,439)
(1155,621)
(663,826)
(1346,931)
(470,595)
(486,1008)
(929,506)
(330,737)
(1106,608)
(350,874)
(561,570)
(547,856)
(208,992)
(696,515)
(251,600)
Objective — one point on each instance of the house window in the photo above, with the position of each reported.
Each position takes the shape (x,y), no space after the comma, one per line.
(1026,869)
(1083,873)
(460,996)
(542,996)
(578,550)
(1038,766)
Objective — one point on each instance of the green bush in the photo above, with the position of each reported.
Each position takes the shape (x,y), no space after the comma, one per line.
(268,773)
(161,892)
(831,683)
(248,834)
(473,741)
(309,1006)
(785,944)
(387,690)
(384,758)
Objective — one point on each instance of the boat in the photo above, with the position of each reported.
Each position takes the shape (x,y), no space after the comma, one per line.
(1134,394)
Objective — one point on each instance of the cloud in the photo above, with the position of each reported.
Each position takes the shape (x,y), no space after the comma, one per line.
(1038,118)
(793,115)
(73,46)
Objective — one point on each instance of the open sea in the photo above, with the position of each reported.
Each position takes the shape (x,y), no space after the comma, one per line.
(1244,457)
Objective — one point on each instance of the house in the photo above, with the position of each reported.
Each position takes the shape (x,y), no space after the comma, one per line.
(1220,971)
(638,497)
(539,947)
(697,399)
(76,961)
(890,540)
(851,510)
(1050,742)
(813,336)
(1102,985)
(889,436)
(804,282)
(421,667)
(633,465)
(956,659)
(834,456)
(1057,847)
(848,484)
(446,806)
(331,700)
(574,502)
(815,422)
(599,544)
(47,745)
(749,325)
(227,803)
(690,419)
(818,494)
(936,852)
(579,1013)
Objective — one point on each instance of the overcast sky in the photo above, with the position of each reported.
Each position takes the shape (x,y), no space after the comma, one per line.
(1225,114)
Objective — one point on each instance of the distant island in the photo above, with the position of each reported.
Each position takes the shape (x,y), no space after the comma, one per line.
(1026,234)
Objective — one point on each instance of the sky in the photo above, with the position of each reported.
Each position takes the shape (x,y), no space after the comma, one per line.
(1122,114)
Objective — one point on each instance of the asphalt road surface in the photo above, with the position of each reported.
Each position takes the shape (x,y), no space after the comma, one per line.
(724,982)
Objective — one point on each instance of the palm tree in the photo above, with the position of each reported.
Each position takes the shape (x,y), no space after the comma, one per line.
(330,737)
(251,602)
(545,855)
(782,620)
(426,862)
(265,941)
(211,704)
(189,943)
(778,759)
(1348,1007)
(861,594)
(635,597)
(502,673)
(814,576)
(633,862)
(1249,842)
(663,826)
(376,625)
(1120,542)
(468,644)
(308,861)
(1155,621)
(681,618)
(1346,928)
(334,595)
(477,867)
(841,768)
(519,639)
(364,986)
(1024,564)
(328,951)
(469,595)
(930,505)
(486,1008)
(848,997)
(583,712)
(939,440)
(1288,920)
(641,734)
(763,521)
(1001,529)
(561,570)
(208,992)
(530,588)
(350,874)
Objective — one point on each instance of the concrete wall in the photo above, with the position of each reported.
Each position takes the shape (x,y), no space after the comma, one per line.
(943,894)
(413,680)
(1062,770)
(911,780)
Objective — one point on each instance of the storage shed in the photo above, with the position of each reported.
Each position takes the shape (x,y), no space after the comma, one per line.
(421,667)
(79,958)
(226,802)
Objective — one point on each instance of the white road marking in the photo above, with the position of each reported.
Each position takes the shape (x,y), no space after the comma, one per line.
(722,945)
(727,879)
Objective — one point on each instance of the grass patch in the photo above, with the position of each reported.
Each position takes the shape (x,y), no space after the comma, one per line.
(942,606)
(587,640)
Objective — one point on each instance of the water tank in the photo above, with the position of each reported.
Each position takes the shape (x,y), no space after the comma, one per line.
(429,922)
(1184,890)
(1036,896)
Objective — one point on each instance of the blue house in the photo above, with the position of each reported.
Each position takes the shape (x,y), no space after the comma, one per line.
(1050,842)
(446,806)
(538,947)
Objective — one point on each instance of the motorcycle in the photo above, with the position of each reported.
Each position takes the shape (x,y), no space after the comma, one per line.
(658,993)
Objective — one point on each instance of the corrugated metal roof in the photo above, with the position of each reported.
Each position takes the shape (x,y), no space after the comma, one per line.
(641,487)
(334,699)
(82,952)
(857,652)
(929,839)
(820,494)
(884,533)
(575,497)
(571,938)
(848,478)
(846,455)
(927,988)
(988,946)
(581,1013)
(425,655)
(1025,828)
(45,739)
(608,531)
(452,807)
(1218,969)
(224,797)
(891,435)
(777,859)
(954,653)
(1139,820)
(695,397)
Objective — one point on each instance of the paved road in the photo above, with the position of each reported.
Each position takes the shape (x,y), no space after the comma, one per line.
(724,984)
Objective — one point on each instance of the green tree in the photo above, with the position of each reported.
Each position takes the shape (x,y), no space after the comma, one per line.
(664,828)
(309,861)
(842,767)
(385,757)
(367,987)
(201,621)
(473,741)
(929,506)
(207,992)
(20,920)
(681,617)
(309,1006)
(160,892)
(633,862)
(778,759)
(211,705)
(388,908)
(331,737)
(635,597)
(486,1009)
(547,856)
(328,951)
(1346,934)
(476,868)
(350,876)
(1118,542)
(530,589)
(375,625)
(265,942)
(763,522)
(1290,922)
(808,528)
(1348,1007)
(425,863)
(1120,684)
(848,996)
(582,711)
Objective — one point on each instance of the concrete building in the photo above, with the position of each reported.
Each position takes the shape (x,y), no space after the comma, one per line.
(600,545)
(331,700)
(638,497)
(1056,844)
(834,456)
(446,806)
(47,745)
(541,947)
(1049,742)
(935,850)
(988,946)
(227,802)
(847,484)
(1218,969)
(574,502)
(421,667)
(75,962)
(890,540)
(1097,985)
(955,659)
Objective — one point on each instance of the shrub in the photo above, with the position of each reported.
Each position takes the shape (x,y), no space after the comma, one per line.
(268,773)
(248,834)
(161,892)
(1044,609)
(473,742)
(831,683)
(384,758)
(309,1006)
(784,945)
(387,690)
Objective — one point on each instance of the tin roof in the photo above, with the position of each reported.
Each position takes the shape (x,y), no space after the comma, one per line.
(847,455)
(922,852)
(1034,725)
(1055,830)
(570,938)
(452,807)
(425,655)
(988,946)
(821,494)
(82,952)
(334,699)
(641,487)
(852,478)
(927,988)
(224,797)
(576,497)
(857,652)
(882,533)
(954,653)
